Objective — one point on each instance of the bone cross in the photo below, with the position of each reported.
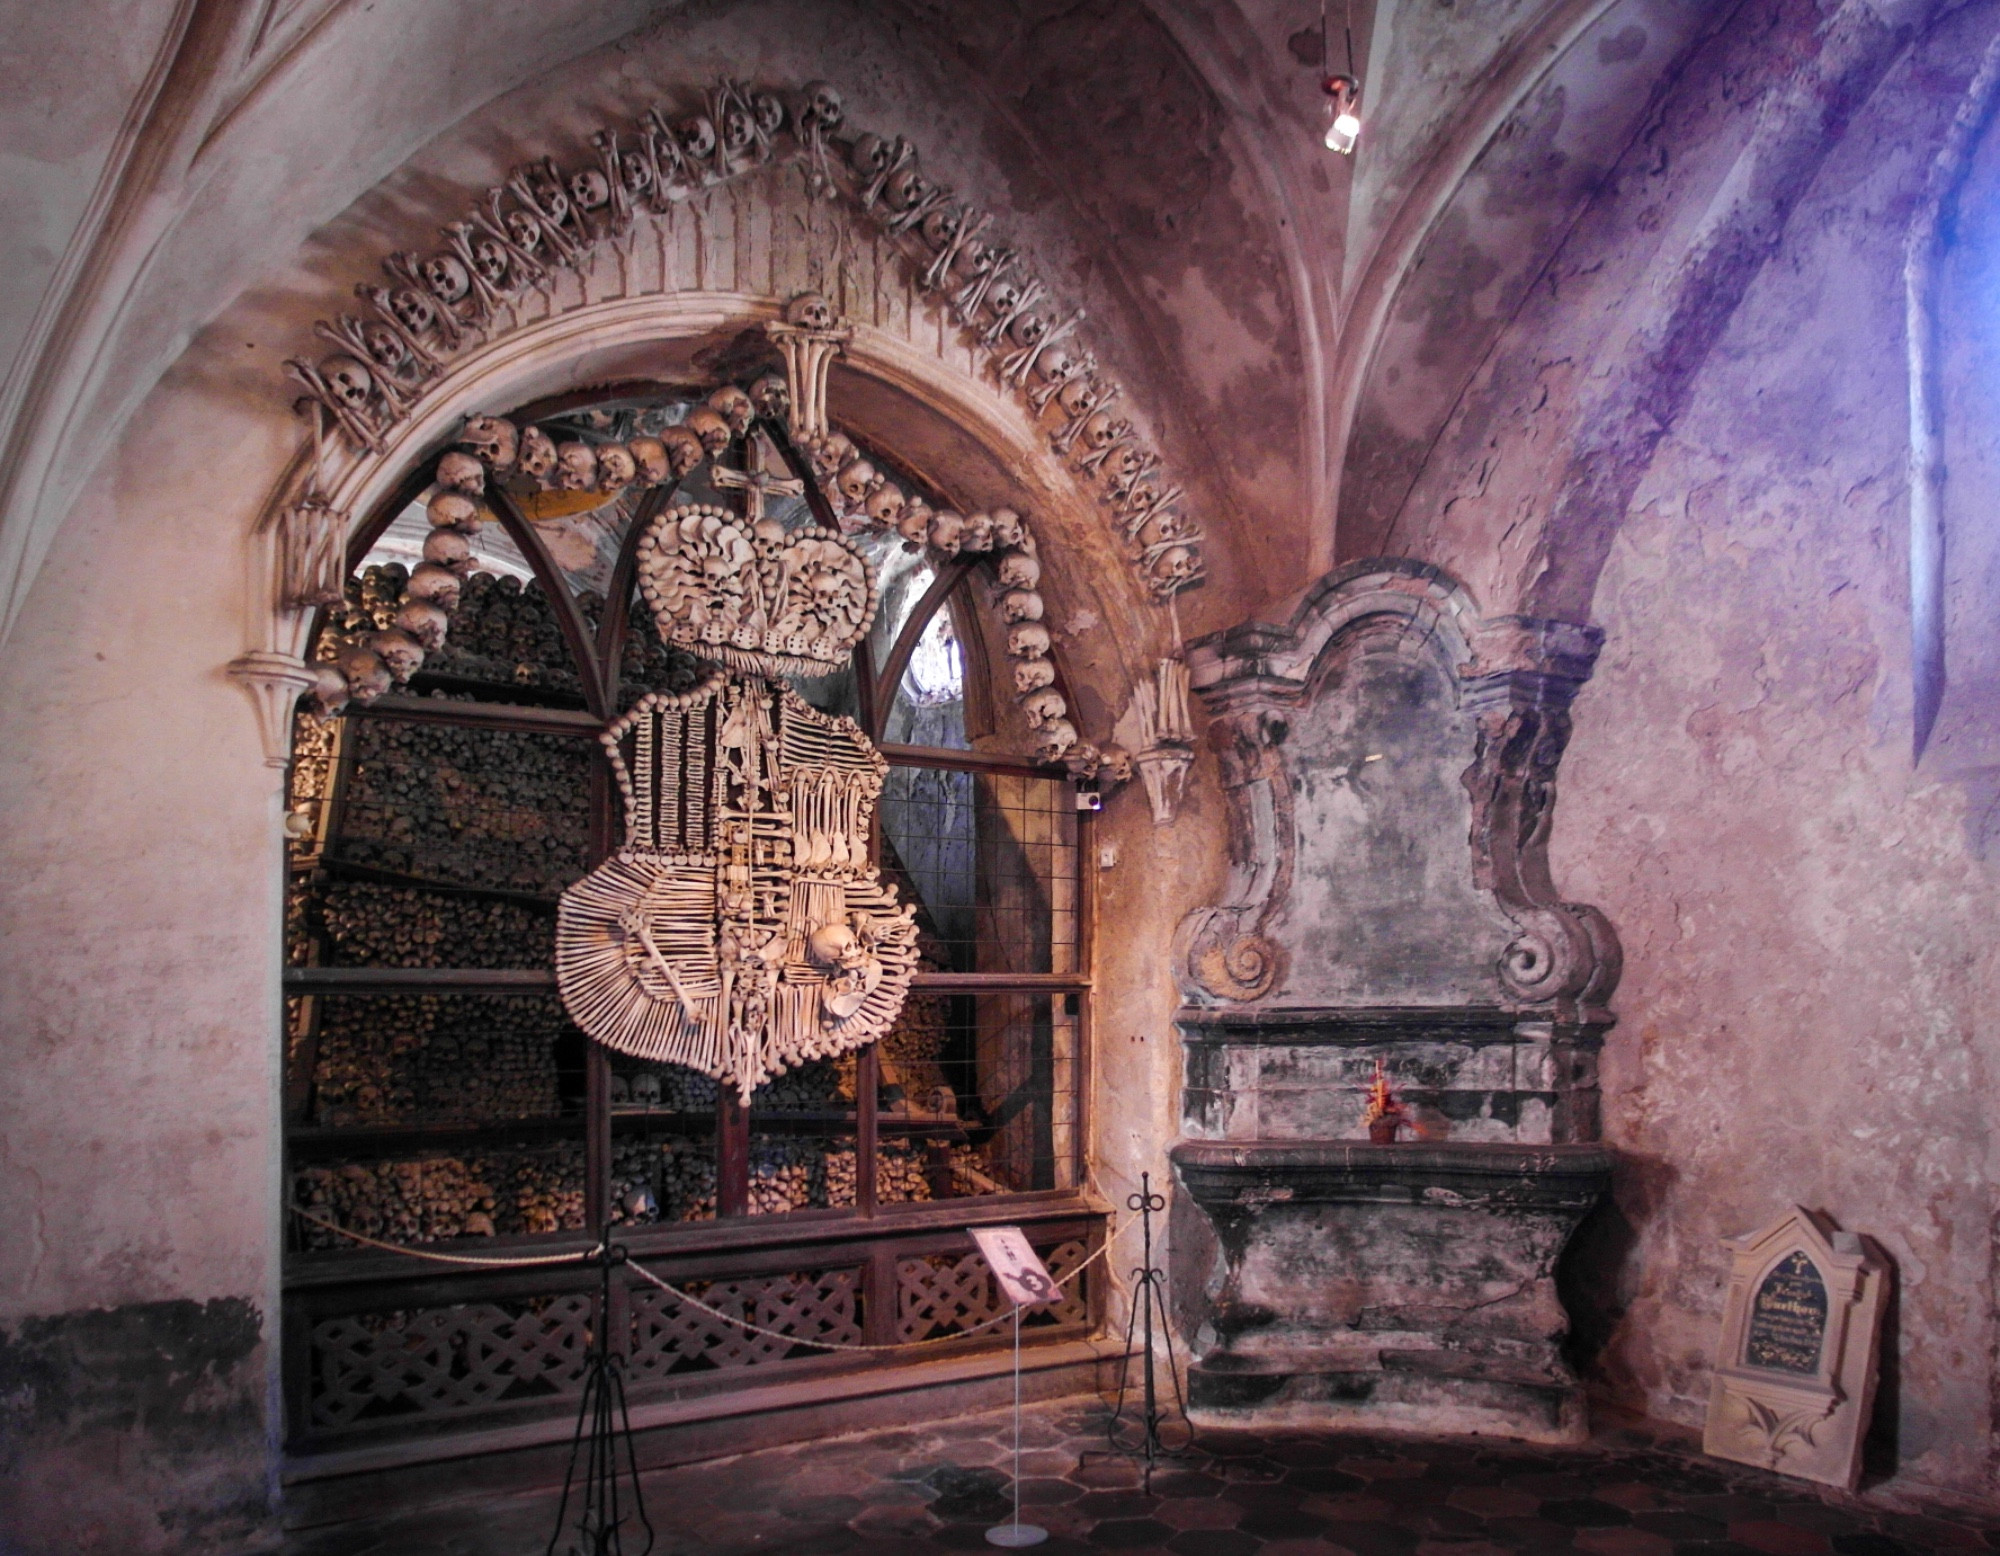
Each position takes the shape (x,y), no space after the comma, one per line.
(756,483)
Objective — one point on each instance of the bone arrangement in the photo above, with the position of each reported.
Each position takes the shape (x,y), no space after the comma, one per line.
(436,820)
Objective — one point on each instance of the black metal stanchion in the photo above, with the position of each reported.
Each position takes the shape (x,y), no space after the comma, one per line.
(1148,1304)
(601,1422)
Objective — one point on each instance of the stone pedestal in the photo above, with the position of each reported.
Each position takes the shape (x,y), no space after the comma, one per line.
(1407,1286)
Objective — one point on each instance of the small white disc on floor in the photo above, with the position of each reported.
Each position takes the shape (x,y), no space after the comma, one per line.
(1014,1536)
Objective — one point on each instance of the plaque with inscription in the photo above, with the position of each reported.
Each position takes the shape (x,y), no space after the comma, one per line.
(1794,1382)
(1788,1318)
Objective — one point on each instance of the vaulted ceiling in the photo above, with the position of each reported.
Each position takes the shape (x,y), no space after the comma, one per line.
(1464,335)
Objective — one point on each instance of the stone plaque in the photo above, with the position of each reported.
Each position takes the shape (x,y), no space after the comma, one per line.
(1788,1318)
(1795,1380)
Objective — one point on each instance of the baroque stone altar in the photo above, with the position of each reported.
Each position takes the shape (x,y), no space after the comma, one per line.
(1389,757)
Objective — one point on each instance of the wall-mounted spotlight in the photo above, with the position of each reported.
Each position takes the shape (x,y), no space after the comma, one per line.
(1343,92)
(1343,104)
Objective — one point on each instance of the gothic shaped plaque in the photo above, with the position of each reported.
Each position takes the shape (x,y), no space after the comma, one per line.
(1795,1382)
(742,929)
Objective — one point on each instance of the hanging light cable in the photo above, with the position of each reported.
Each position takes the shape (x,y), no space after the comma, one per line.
(1343,92)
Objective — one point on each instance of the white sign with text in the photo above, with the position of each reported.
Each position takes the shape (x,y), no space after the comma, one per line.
(1017,1267)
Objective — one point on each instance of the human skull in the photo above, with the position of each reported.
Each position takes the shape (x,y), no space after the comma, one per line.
(1099,430)
(1054,741)
(491,261)
(414,311)
(634,172)
(538,453)
(1028,328)
(618,1088)
(832,454)
(362,668)
(446,277)
(1174,566)
(1018,570)
(857,479)
(820,107)
(697,137)
(831,945)
(649,455)
(401,653)
(1114,764)
(768,109)
(975,259)
(646,1089)
(915,524)
(870,154)
(458,472)
(1009,532)
(524,230)
(739,131)
(386,348)
(576,468)
(734,407)
(1028,640)
(589,188)
(492,439)
(771,396)
(942,225)
(947,528)
(548,192)
(350,382)
(329,689)
(1031,675)
(449,549)
(616,467)
(906,187)
(1083,761)
(1020,605)
(1043,707)
(809,311)
(767,538)
(425,621)
(684,450)
(885,506)
(1077,393)
(711,428)
(438,584)
(1055,363)
(1003,298)
(453,510)
(978,533)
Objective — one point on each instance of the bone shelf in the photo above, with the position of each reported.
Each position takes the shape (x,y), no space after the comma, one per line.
(317,1143)
(345,870)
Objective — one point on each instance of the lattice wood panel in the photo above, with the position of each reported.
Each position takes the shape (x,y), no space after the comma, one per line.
(671,1336)
(437,1360)
(947,1293)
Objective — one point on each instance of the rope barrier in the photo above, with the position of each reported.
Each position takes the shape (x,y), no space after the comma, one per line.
(473,1261)
(470,1261)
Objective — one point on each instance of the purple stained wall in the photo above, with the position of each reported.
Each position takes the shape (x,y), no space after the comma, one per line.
(1810,963)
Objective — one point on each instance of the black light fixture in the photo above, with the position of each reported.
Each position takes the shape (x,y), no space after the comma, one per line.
(1343,92)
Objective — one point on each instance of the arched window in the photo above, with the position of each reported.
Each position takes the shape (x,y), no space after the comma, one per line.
(437,1093)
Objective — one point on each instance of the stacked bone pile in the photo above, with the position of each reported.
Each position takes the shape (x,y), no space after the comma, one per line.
(505,633)
(547,218)
(667,1088)
(367,925)
(436,1058)
(677,1175)
(492,809)
(440,1197)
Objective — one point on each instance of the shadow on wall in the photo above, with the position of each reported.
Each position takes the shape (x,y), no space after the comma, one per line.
(1597,1272)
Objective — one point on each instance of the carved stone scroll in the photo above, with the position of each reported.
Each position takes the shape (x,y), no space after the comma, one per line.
(1357,875)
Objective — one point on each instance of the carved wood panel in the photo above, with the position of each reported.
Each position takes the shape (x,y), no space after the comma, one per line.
(947,1294)
(670,1336)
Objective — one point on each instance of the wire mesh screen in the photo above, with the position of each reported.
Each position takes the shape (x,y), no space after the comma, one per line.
(991,862)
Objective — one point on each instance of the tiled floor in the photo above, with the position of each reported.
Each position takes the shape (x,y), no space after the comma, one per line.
(938,1488)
